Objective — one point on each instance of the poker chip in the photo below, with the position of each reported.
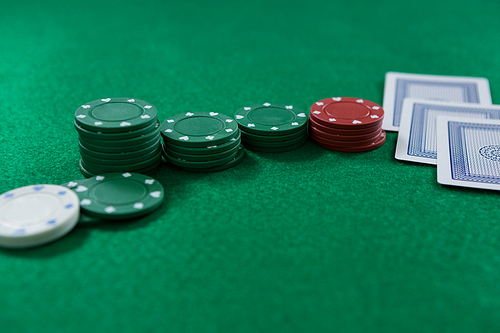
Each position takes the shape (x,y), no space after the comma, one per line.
(118,134)
(115,115)
(347,113)
(272,127)
(198,129)
(235,161)
(207,150)
(347,124)
(266,149)
(37,214)
(118,196)
(201,141)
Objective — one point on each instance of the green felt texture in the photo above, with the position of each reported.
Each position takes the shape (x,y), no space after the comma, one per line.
(306,241)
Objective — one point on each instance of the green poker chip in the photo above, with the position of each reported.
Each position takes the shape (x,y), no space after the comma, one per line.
(152,165)
(116,196)
(147,171)
(208,150)
(131,142)
(276,149)
(145,163)
(92,160)
(115,115)
(86,134)
(198,129)
(273,138)
(201,158)
(198,164)
(234,162)
(117,156)
(110,148)
(274,144)
(271,119)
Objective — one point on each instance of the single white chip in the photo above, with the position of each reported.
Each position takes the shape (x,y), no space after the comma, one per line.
(37,214)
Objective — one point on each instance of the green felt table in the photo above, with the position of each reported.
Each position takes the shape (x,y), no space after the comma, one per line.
(306,241)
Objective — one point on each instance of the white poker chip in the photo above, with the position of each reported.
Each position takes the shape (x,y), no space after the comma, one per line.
(37,214)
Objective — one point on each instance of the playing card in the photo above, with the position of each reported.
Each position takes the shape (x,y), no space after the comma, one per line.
(417,138)
(469,152)
(399,86)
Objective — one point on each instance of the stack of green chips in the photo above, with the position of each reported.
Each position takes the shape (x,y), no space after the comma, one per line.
(118,135)
(272,128)
(202,141)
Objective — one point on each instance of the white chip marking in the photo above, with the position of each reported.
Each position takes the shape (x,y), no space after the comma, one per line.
(148,107)
(316,112)
(85,202)
(110,209)
(251,125)
(274,128)
(106,99)
(185,138)
(169,130)
(210,147)
(138,205)
(337,99)
(145,116)
(229,130)
(99,178)
(288,107)
(189,114)
(373,116)
(295,123)
(301,115)
(229,120)
(149,181)
(86,106)
(125,124)
(213,113)
(81,116)
(210,137)
(247,108)
(239,117)
(170,120)
(356,122)
(127,174)
(319,103)
(98,123)
(359,101)
(155,194)
(81,188)
(376,107)
(72,184)
(131,100)
(267,104)
(332,119)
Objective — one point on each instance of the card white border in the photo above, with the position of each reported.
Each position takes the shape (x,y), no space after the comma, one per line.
(390,86)
(443,166)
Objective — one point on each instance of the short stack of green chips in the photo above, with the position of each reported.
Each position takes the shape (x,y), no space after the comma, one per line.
(118,135)
(202,141)
(272,128)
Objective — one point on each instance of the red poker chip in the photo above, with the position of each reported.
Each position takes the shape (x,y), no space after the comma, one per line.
(335,143)
(338,137)
(376,144)
(347,112)
(346,132)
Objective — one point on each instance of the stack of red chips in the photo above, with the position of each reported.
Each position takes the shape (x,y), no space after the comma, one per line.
(347,124)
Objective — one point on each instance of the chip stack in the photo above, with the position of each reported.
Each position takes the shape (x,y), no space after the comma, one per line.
(272,128)
(347,124)
(202,141)
(118,135)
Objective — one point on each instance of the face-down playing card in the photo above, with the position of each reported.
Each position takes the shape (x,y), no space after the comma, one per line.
(399,86)
(469,152)
(417,137)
